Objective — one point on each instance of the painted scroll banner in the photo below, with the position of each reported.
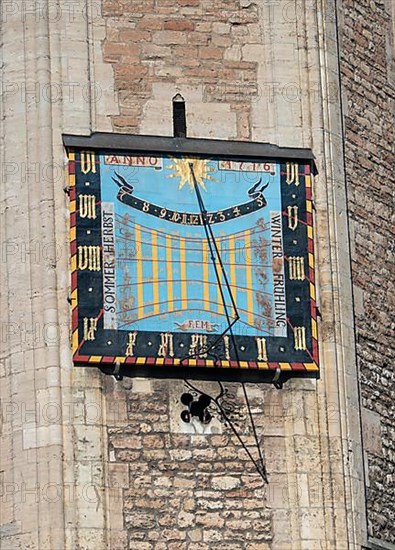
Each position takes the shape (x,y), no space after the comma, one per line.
(126,196)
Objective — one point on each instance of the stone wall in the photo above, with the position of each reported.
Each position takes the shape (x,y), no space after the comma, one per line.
(368,78)
(192,44)
(182,488)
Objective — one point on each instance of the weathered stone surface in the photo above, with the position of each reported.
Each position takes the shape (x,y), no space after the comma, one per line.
(187,44)
(173,496)
(368,75)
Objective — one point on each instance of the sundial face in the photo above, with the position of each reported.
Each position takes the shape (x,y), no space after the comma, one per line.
(150,289)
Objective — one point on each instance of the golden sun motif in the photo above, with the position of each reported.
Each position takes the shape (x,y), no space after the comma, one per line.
(182,170)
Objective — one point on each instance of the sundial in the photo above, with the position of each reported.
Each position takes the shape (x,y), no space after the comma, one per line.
(149,291)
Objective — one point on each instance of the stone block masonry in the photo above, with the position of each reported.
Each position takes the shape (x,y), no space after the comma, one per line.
(191,43)
(184,490)
(368,77)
